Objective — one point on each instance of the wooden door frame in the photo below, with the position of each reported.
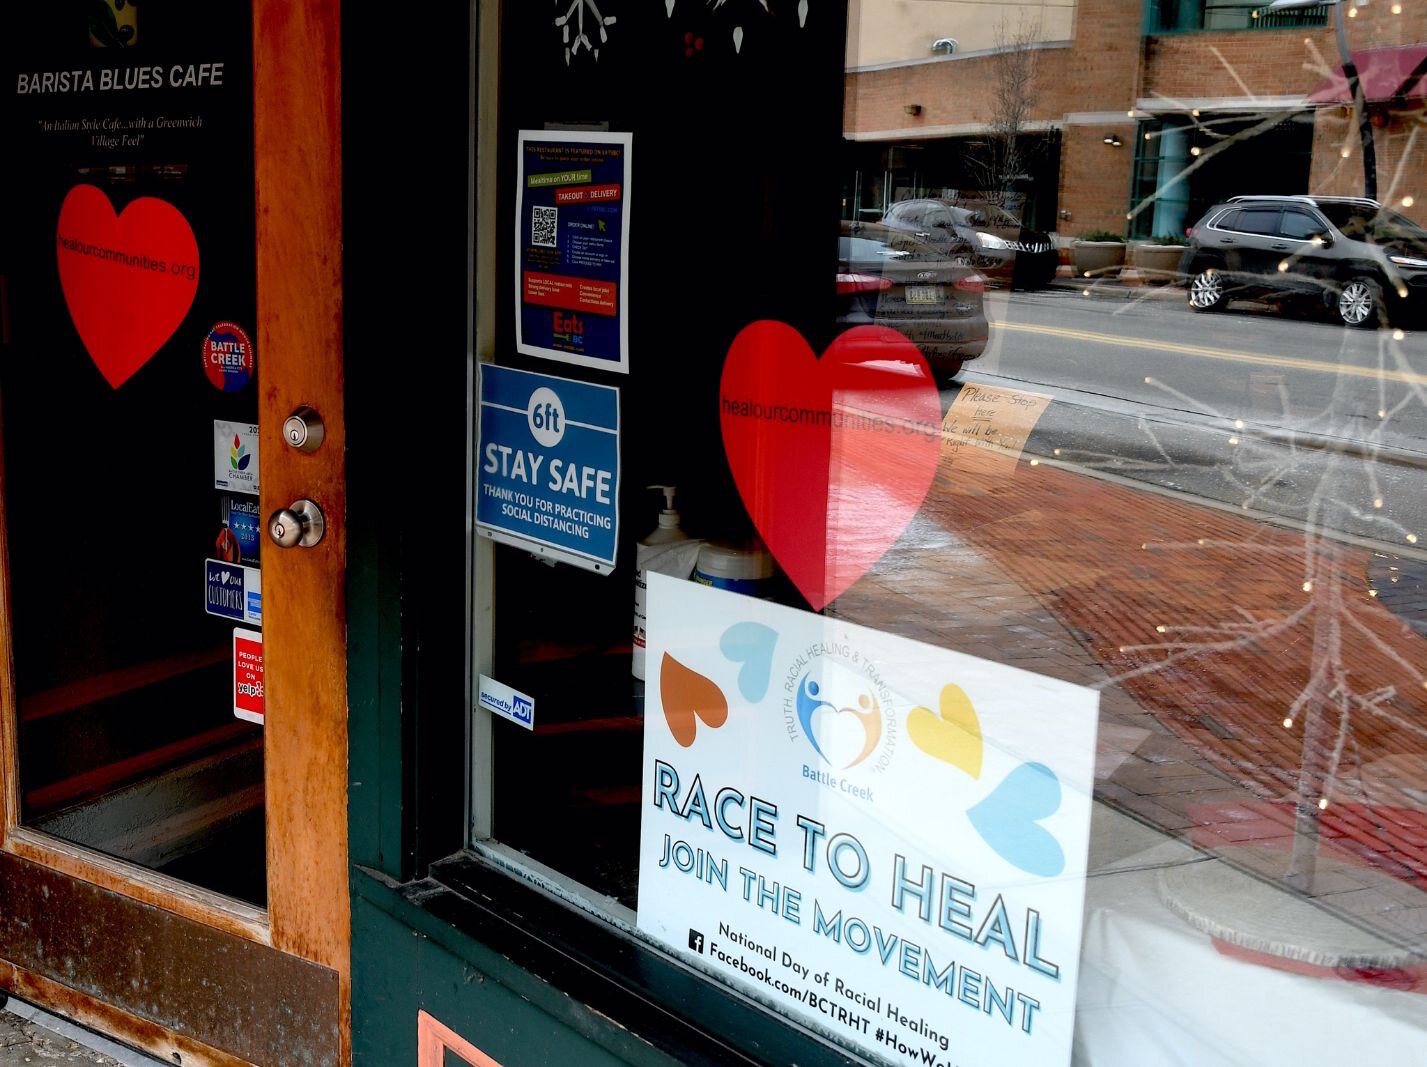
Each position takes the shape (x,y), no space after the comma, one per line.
(297,131)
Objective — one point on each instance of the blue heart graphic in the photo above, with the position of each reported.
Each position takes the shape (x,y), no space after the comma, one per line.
(751,644)
(1006,820)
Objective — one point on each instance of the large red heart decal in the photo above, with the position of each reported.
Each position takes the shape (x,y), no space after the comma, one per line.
(832,456)
(128,279)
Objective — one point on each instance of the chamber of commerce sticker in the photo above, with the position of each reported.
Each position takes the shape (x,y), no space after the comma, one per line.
(228,357)
(235,457)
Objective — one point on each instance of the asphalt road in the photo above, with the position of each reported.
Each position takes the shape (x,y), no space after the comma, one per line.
(1253,409)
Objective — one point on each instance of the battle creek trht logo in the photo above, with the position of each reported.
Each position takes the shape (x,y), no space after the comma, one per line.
(836,700)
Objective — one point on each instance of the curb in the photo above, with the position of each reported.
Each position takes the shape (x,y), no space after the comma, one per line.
(1130,285)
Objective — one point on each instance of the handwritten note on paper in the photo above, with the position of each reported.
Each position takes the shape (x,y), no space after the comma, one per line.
(988,426)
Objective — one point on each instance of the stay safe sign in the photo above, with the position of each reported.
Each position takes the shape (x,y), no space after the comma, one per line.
(548,463)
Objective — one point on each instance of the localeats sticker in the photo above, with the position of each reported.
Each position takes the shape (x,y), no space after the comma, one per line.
(241,518)
(228,357)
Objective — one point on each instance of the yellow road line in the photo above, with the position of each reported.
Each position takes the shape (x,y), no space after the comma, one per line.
(1229,355)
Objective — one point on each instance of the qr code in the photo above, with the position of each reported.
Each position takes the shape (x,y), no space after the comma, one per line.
(542,226)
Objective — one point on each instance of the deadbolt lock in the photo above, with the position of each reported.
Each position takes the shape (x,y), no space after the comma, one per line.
(303,430)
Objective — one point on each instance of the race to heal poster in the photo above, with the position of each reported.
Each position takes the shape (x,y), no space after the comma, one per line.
(572,248)
(883,839)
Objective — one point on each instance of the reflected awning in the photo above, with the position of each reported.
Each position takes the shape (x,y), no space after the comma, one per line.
(1385,73)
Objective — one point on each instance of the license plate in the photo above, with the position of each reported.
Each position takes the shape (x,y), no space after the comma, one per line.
(924,294)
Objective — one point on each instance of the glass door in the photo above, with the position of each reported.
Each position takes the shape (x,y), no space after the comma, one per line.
(172,733)
(131,438)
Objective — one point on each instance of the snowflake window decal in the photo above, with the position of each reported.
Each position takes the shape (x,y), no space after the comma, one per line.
(580,39)
(737,34)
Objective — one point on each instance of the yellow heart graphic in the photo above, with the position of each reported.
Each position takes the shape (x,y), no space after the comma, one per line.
(953,738)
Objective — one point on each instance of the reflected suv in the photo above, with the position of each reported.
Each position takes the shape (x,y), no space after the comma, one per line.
(977,233)
(1365,263)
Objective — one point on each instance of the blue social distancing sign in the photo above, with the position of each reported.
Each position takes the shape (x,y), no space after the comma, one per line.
(547,464)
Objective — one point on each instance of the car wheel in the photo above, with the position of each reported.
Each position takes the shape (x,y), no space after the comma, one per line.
(1360,304)
(1206,290)
(945,372)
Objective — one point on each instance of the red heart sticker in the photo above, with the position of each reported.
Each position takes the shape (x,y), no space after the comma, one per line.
(128,279)
(832,456)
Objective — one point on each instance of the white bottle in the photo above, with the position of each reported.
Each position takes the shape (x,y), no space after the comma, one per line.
(666,532)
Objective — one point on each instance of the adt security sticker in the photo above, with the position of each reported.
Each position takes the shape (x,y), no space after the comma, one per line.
(228,357)
(235,457)
(500,699)
(232,591)
(249,694)
(548,466)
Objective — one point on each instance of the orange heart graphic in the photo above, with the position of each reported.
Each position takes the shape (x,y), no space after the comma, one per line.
(688,696)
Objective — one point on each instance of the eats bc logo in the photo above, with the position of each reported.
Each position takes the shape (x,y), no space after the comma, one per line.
(567,326)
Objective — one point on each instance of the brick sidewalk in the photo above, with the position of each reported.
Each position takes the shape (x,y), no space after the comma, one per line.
(1196,626)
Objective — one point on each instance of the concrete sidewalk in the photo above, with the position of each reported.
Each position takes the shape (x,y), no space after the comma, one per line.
(1125,286)
(31,1036)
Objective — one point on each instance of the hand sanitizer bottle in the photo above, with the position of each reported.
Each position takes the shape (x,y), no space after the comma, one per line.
(646,554)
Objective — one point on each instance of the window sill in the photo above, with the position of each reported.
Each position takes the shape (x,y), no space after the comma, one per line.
(636,1002)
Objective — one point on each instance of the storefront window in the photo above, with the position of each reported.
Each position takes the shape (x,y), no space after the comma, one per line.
(976,633)
(1169,16)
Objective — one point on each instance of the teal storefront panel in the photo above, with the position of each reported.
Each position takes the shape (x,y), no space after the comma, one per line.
(405,963)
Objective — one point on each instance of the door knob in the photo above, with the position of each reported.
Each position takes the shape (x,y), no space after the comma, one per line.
(300,525)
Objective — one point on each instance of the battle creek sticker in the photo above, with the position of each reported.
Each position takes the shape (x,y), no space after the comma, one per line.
(228,358)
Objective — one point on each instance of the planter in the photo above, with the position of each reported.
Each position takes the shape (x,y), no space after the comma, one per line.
(1158,262)
(1098,259)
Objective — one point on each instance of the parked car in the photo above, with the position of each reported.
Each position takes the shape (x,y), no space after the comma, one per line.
(1367,264)
(886,277)
(979,234)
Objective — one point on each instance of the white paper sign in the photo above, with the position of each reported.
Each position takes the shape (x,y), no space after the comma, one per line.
(880,837)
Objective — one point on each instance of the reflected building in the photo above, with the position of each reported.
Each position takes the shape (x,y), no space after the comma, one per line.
(1129,116)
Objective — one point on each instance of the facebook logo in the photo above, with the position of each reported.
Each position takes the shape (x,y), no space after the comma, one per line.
(696,941)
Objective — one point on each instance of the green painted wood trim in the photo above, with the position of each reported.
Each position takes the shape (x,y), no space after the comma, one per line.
(375,748)
(405,958)
(612,991)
